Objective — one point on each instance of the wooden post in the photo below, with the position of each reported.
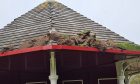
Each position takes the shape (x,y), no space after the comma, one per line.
(53,71)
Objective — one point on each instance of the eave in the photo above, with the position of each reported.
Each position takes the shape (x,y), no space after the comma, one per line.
(63,47)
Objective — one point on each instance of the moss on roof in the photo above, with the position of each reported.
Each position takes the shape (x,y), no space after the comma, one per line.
(128,46)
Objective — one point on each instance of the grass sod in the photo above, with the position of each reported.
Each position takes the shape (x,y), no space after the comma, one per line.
(128,46)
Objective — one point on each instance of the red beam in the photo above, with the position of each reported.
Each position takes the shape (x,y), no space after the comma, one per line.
(62,47)
(26,50)
(77,48)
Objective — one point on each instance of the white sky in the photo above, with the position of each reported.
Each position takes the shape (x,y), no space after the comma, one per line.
(121,16)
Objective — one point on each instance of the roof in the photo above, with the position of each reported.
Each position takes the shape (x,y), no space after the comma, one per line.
(63,47)
(42,18)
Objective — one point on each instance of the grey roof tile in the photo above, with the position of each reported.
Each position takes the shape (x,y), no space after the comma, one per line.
(37,22)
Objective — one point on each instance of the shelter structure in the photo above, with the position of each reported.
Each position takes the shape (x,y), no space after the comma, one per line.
(35,49)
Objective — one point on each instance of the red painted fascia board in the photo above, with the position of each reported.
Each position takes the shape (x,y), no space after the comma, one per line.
(78,48)
(126,52)
(62,47)
(26,50)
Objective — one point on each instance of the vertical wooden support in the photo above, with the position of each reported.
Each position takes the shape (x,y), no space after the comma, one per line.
(121,79)
(53,71)
(120,72)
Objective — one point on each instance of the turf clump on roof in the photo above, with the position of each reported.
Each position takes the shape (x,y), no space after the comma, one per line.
(84,38)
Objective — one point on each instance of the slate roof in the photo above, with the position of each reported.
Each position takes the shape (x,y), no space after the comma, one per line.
(49,15)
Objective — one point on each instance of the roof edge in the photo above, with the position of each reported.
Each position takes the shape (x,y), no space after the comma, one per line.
(63,47)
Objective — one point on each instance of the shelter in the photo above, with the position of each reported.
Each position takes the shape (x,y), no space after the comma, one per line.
(40,64)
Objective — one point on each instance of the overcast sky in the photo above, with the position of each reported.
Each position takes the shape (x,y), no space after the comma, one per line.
(121,16)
